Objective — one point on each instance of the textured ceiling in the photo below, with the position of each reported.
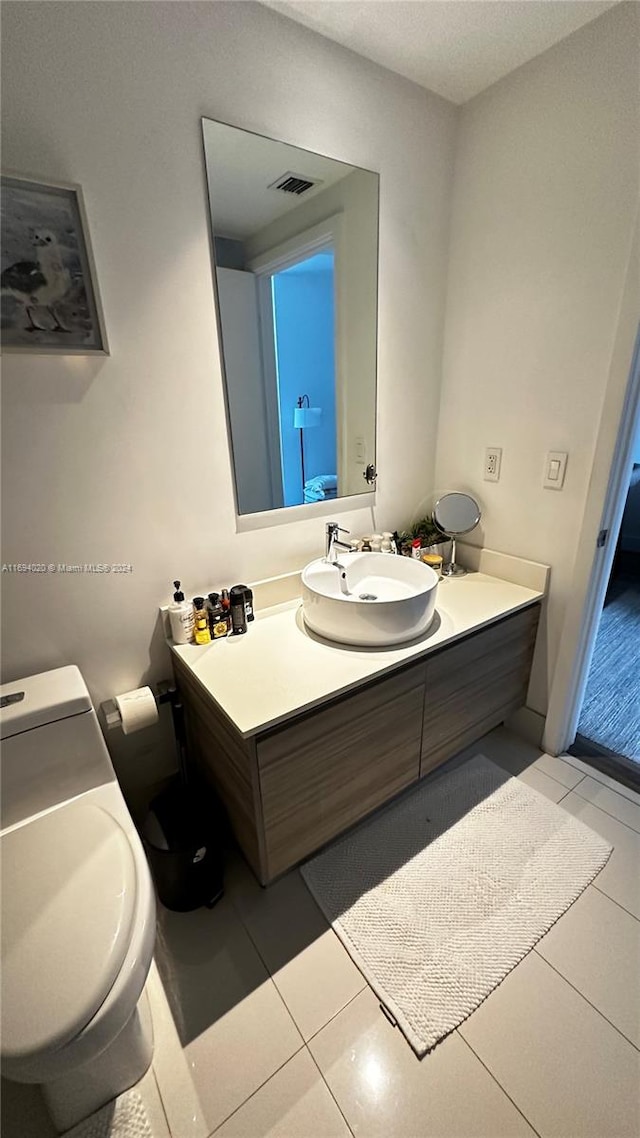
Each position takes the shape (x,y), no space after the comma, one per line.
(456,48)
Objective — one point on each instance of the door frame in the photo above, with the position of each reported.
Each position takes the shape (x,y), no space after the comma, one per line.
(613,460)
(329,233)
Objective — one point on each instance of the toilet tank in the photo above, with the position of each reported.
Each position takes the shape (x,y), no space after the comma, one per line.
(52,746)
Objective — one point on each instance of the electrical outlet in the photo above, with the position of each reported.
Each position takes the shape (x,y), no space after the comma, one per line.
(492,461)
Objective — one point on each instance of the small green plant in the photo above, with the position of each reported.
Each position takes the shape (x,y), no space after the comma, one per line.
(426,530)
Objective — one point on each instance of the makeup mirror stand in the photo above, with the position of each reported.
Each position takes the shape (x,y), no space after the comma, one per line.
(455,514)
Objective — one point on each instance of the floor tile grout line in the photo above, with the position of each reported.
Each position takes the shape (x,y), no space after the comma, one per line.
(317,1065)
(340,1011)
(599,776)
(254,1092)
(594,772)
(532,766)
(162,1103)
(586,1000)
(608,812)
(269,972)
(618,903)
(606,786)
(553,779)
(365,984)
(590,772)
(322,1027)
(496,1081)
(254,942)
(286,1007)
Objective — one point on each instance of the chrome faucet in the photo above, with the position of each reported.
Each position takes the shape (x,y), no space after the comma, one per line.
(342,574)
(332,531)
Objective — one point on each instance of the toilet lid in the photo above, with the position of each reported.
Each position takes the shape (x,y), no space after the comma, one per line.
(68,895)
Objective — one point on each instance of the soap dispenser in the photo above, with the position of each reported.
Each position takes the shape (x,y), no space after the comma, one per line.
(181,617)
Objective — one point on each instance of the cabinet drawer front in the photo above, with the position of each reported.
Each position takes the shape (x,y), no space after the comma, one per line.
(483,647)
(472,686)
(321,775)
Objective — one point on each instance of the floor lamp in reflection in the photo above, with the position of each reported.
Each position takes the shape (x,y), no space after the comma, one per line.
(304,417)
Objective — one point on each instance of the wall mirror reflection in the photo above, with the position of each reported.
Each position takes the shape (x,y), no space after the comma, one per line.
(295,243)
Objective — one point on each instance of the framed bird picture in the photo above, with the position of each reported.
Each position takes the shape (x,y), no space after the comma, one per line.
(48,292)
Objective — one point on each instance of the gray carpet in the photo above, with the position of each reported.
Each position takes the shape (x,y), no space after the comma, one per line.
(610,713)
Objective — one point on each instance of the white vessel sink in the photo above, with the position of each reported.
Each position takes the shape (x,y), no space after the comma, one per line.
(369,599)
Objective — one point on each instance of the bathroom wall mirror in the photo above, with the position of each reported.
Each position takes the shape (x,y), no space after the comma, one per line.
(456,514)
(295,251)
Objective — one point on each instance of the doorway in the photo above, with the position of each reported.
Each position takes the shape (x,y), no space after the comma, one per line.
(600,622)
(303,330)
(609,719)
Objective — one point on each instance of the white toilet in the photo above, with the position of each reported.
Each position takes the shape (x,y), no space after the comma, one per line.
(78,908)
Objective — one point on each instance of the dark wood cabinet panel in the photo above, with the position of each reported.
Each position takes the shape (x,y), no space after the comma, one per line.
(227,760)
(332,768)
(472,686)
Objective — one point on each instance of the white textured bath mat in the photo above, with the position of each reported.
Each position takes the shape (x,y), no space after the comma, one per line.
(125,1117)
(439,897)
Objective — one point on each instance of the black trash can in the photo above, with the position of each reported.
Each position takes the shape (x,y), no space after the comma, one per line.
(182,839)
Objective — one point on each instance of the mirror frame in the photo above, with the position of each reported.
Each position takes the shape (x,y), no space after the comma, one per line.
(282,515)
(457,532)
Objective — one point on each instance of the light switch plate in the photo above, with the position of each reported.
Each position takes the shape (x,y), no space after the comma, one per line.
(554,469)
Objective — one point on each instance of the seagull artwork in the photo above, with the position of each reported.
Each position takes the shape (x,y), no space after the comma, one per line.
(39,284)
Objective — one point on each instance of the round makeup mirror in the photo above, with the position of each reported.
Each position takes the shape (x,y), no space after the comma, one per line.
(456,514)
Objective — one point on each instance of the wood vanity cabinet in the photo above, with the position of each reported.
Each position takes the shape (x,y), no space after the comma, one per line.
(290,790)
(471,686)
(334,766)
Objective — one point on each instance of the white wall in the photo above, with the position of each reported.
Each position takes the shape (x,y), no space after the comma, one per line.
(546,188)
(126,459)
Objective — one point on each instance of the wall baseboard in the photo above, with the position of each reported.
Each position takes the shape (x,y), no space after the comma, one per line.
(528,724)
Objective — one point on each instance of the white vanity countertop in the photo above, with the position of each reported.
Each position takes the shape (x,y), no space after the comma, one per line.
(280,669)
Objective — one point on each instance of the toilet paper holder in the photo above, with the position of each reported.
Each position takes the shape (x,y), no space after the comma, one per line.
(166,692)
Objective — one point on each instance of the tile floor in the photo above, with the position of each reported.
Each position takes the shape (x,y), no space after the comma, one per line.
(266,1029)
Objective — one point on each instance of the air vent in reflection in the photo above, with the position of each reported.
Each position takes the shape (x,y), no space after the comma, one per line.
(291,183)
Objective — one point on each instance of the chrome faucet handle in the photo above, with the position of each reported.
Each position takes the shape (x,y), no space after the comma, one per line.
(332,531)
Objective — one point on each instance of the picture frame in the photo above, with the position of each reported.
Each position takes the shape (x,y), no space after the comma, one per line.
(49,299)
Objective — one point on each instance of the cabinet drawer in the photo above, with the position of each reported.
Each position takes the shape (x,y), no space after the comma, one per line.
(472,686)
(322,774)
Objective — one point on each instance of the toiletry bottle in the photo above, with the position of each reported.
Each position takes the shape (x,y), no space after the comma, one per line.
(201,634)
(416,546)
(238,615)
(388,543)
(248,601)
(226,607)
(217,622)
(213,600)
(181,617)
